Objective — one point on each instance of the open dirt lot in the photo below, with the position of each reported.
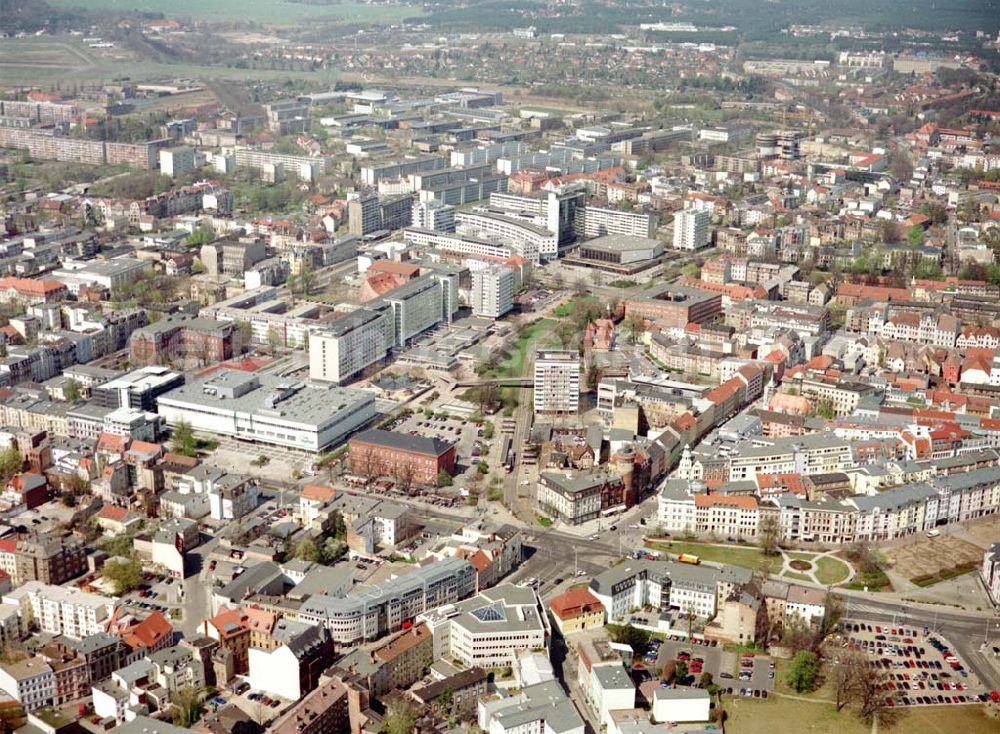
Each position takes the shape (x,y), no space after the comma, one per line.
(931,555)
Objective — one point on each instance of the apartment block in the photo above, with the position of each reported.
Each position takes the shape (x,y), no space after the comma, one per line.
(492,291)
(557,381)
(691,229)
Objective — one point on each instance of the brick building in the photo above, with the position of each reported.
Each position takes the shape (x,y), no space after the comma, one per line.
(672,306)
(205,340)
(384,453)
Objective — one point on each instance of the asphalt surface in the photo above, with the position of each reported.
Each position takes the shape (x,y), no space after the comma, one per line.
(964,630)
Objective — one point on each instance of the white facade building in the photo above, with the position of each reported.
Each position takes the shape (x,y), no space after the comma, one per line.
(490,629)
(690,229)
(557,381)
(492,291)
(61,610)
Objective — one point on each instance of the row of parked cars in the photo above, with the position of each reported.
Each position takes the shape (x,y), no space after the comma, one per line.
(264,699)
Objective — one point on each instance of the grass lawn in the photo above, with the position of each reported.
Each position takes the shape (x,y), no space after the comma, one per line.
(746,557)
(796,576)
(947,719)
(800,556)
(776,714)
(544,521)
(514,364)
(831,571)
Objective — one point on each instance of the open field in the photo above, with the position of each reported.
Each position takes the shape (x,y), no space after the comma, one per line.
(752,558)
(766,717)
(41,59)
(753,716)
(262,11)
(68,60)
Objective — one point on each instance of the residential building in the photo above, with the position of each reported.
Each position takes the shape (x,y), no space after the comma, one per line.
(989,572)
(61,610)
(29,681)
(576,497)
(293,667)
(50,560)
(691,229)
(176,161)
(322,711)
(492,291)
(557,381)
(576,610)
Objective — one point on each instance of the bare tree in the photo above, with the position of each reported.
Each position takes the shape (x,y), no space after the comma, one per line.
(404,476)
(877,702)
(769,533)
(847,675)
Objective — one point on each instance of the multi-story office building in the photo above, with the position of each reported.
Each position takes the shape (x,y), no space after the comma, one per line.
(671,306)
(557,381)
(371,613)
(287,118)
(385,453)
(666,585)
(350,345)
(205,340)
(555,210)
(492,291)
(458,244)
(531,241)
(346,346)
(690,229)
(592,221)
(490,629)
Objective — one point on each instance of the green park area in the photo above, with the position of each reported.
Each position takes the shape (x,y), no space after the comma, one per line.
(747,557)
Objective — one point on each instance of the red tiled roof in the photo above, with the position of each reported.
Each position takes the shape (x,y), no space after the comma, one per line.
(318,492)
(115,514)
(148,632)
(574,603)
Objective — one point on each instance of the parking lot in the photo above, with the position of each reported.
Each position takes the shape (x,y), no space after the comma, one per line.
(755,676)
(920,667)
(453,430)
(700,657)
(156,593)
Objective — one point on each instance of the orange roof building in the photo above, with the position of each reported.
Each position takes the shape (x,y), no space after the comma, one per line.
(576,610)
